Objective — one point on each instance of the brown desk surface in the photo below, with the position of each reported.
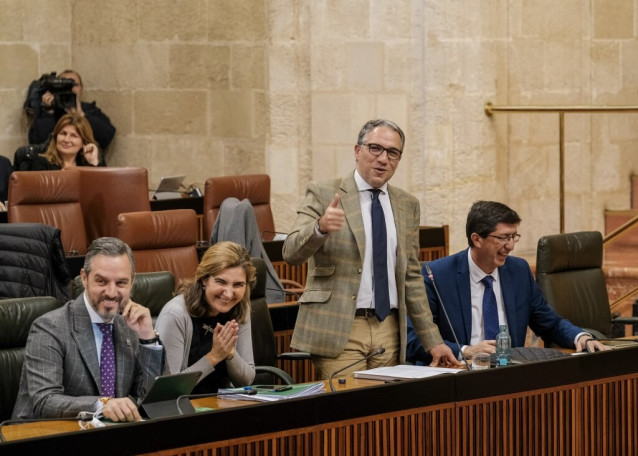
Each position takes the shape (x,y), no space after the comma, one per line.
(28,430)
(536,408)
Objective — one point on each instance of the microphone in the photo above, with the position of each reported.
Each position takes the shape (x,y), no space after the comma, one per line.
(250,391)
(378,351)
(436,290)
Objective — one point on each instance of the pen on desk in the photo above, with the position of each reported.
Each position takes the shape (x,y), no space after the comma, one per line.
(272,388)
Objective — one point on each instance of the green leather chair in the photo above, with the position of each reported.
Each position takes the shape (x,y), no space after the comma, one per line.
(16,317)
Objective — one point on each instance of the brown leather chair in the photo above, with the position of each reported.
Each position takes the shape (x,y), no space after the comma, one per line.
(105,193)
(162,241)
(51,198)
(254,187)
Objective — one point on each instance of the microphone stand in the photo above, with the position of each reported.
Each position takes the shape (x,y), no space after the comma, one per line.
(436,290)
(378,351)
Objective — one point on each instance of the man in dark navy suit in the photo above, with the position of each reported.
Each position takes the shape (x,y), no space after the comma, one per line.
(491,231)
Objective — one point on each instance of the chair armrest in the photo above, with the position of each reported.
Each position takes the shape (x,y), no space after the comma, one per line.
(294,355)
(292,287)
(625,320)
(596,334)
(283,375)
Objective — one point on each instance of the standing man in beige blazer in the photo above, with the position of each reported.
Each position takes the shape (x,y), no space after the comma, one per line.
(337,321)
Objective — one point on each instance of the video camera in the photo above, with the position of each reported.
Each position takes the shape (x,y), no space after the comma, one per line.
(61,88)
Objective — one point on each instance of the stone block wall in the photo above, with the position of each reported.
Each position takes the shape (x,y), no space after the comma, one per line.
(218,87)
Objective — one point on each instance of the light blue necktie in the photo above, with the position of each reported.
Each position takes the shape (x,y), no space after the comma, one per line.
(490,311)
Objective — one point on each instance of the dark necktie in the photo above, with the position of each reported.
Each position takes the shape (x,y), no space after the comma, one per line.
(107,360)
(490,312)
(379,258)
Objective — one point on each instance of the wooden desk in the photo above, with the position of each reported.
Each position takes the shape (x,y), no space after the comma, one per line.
(580,405)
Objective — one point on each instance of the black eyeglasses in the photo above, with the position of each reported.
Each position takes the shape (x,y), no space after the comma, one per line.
(377,149)
(505,238)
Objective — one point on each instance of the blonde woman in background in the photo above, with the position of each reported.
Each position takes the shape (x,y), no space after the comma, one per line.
(72,144)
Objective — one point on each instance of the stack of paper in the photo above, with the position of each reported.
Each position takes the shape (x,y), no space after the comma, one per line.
(403,372)
(270,393)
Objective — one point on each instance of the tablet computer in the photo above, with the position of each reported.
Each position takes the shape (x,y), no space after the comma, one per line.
(169,187)
(161,399)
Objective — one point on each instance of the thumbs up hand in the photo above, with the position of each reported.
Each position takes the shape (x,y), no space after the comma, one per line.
(334,218)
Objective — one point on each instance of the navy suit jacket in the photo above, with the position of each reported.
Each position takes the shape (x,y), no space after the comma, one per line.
(524,303)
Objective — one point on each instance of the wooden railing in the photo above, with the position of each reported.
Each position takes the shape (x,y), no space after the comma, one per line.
(609,240)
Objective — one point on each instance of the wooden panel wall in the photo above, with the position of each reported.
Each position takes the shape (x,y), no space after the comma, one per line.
(598,418)
(417,432)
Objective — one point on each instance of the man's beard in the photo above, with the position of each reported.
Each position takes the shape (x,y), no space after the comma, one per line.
(108,316)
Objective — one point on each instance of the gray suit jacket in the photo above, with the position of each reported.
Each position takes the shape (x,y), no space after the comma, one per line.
(335,263)
(61,373)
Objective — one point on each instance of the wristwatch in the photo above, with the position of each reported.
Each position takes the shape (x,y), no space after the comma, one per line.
(151,341)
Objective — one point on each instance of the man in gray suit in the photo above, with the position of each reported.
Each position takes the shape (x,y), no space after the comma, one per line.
(339,320)
(62,375)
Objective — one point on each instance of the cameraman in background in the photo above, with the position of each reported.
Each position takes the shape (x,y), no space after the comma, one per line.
(51,97)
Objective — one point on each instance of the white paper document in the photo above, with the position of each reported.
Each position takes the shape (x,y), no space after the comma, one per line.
(274,393)
(404,372)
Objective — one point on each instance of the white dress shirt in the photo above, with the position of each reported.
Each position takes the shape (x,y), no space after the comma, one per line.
(476,290)
(365,298)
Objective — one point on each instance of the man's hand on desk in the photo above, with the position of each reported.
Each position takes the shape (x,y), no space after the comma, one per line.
(442,356)
(121,409)
(587,343)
